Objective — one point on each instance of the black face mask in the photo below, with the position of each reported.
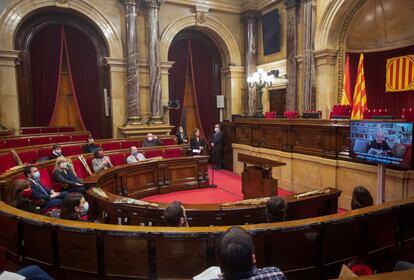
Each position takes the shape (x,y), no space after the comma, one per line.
(100,156)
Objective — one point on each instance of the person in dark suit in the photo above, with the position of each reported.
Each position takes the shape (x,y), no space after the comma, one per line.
(90,147)
(63,173)
(151,141)
(217,146)
(197,143)
(56,152)
(39,191)
(181,136)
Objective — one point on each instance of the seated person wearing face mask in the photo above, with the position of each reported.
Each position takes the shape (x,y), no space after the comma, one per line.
(63,173)
(56,152)
(181,136)
(39,191)
(151,141)
(135,156)
(23,192)
(90,147)
(100,162)
(74,206)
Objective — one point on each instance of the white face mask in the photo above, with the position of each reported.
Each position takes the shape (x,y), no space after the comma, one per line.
(216,129)
(64,165)
(58,152)
(150,138)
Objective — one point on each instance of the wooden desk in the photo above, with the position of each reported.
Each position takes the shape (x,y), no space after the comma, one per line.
(257,180)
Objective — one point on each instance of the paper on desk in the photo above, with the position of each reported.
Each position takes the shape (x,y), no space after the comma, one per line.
(210,273)
(11,276)
(196,151)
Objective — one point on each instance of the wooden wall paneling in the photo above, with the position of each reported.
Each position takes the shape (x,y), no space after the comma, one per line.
(273,136)
(308,140)
(141,182)
(243,134)
(38,242)
(256,135)
(170,248)
(126,254)
(329,142)
(78,249)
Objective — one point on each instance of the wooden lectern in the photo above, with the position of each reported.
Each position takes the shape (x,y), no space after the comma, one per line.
(257,180)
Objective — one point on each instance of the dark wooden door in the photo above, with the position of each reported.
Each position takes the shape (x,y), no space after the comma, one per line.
(278,101)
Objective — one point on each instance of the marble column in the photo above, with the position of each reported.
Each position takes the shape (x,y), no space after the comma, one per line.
(308,89)
(291,52)
(250,20)
(154,61)
(133,91)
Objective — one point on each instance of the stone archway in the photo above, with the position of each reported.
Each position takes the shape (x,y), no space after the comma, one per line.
(11,19)
(330,40)
(232,72)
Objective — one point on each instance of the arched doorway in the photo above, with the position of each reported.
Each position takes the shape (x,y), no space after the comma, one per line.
(61,75)
(195,80)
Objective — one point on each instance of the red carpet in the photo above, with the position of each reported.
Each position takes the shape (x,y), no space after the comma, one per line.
(228,190)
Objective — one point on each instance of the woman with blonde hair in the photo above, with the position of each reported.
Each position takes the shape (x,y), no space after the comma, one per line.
(63,173)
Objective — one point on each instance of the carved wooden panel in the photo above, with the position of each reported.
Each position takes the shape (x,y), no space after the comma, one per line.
(141,180)
(273,137)
(308,140)
(243,134)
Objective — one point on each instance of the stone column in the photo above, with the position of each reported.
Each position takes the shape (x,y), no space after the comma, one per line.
(154,61)
(308,91)
(133,91)
(250,20)
(9,100)
(291,52)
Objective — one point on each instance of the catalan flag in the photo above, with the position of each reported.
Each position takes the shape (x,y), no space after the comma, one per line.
(400,74)
(346,98)
(359,102)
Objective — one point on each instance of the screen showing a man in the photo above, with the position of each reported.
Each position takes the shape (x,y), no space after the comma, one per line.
(382,142)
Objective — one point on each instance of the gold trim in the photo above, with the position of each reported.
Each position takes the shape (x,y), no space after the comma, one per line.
(341,46)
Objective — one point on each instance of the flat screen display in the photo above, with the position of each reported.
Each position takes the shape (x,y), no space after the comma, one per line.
(388,143)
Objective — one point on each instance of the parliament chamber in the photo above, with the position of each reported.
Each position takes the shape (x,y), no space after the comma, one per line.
(224,105)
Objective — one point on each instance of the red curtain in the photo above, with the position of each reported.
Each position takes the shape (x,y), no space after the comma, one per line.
(375,78)
(179,53)
(45,63)
(202,73)
(83,68)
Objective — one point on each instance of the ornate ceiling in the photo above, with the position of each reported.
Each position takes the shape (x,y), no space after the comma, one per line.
(382,24)
(235,6)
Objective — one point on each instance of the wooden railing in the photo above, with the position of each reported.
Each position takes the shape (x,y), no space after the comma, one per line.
(304,249)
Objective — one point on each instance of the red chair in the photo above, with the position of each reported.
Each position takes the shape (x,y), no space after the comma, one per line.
(173,153)
(7,161)
(72,150)
(153,153)
(66,129)
(270,115)
(168,142)
(49,129)
(80,137)
(29,130)
(290,114)
(79,168)
(117,159)
(17,142)
(111,146)
(39,140)
(129,143)
(139,143)
(45,152)
(28,156)
(60,138)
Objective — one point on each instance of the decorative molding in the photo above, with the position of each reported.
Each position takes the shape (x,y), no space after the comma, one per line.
(9,58)
(291,3)
(62,3)
(341,46)
(251,15)
(115,64)
(201,12)
(325,57)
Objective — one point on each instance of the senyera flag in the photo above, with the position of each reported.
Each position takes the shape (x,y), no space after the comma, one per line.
(359,102)
(346,98)
(400,74)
